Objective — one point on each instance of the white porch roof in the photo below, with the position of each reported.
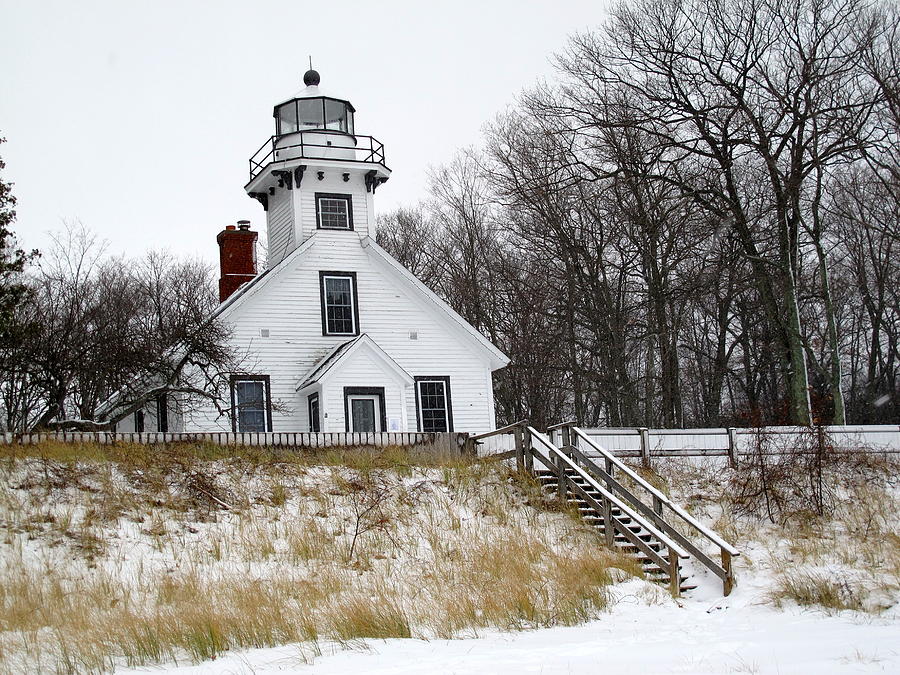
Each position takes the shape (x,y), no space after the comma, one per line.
(331,362)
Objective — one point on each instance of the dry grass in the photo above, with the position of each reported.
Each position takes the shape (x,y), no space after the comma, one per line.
(131,555)
(846,559)
(808,587)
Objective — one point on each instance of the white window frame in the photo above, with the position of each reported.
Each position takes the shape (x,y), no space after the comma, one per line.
(348,205)
(350,277)
(376,407)
(448,410)
(263,381)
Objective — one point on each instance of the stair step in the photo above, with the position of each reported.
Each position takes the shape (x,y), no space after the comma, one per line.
(652,571)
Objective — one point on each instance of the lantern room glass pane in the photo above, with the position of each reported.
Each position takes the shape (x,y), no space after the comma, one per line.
(310,112)
(350,122)
(335,115)
(287,118)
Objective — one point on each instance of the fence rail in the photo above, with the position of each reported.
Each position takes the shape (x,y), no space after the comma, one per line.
(645,444)
(452,442)
(733,442)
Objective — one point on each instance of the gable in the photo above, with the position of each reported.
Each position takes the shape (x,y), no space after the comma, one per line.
(392,302)
(408,280)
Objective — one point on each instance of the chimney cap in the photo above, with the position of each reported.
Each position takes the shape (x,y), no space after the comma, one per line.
(243,224)
(230,227)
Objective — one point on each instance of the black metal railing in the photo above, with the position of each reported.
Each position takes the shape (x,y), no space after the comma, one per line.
(314,145)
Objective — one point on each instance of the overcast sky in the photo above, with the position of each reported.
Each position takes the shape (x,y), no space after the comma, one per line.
(138,118)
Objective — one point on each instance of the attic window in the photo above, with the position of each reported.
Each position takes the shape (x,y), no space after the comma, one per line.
(340,311)
(334,212)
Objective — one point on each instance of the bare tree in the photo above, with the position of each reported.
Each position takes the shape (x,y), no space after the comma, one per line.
(111,335)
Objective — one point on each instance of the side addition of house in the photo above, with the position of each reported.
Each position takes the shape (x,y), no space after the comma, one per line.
(338,335)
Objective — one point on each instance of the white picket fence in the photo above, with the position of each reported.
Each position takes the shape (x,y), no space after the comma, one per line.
(439,443)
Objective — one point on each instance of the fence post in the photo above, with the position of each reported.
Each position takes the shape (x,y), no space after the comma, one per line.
(732,448)
(645,446)
(566,436)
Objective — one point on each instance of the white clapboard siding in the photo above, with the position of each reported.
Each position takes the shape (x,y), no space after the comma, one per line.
(333,182)
(280,217)
(175,417)
(288,306)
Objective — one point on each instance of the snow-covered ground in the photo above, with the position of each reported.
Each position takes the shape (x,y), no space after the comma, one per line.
(644,632)
(729,636)
(139,541)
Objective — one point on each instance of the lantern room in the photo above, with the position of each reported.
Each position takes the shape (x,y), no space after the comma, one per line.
(312,110)
(314,127)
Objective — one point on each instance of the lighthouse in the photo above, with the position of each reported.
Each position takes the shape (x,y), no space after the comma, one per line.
(335,335)
(315,173)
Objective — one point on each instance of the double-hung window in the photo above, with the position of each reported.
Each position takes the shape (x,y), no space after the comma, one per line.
(433,405)
(334,211)
(340,313)
(251,403)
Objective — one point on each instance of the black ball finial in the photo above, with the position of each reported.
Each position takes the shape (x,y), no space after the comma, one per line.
(311,78)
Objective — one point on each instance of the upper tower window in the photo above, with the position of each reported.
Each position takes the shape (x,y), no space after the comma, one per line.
(334,212)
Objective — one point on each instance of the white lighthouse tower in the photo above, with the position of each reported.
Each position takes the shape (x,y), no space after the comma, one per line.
(316,172)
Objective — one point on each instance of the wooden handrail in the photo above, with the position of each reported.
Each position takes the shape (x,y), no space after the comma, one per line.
(508,429)
(560,425)
(702,529)
(719,570)
(663,538)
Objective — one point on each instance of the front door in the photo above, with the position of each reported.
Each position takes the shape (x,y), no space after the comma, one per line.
(365,413)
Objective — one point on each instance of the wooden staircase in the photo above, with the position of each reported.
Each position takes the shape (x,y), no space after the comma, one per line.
(633,516)
(657,568)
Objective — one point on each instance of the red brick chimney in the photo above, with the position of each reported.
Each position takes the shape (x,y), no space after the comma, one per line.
(237,257)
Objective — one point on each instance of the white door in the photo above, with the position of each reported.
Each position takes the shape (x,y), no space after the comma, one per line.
(365,413)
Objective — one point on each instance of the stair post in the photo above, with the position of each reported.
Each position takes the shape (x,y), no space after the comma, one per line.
(609,531)
(520,449)
(526,449)
(729,572)
(674,574)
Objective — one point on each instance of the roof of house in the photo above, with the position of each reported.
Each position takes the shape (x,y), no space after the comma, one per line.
(446,311)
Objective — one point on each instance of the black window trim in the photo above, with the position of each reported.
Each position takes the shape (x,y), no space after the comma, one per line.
(162,413)
(335,195)
(139,420)
(249,377)
(364,391)
(448,399)
(309,404)
(352,277)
